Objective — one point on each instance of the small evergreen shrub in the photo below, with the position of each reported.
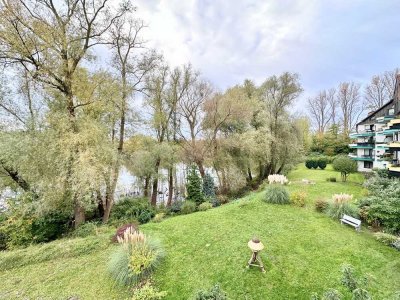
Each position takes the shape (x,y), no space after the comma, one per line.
(188,207)
(321,205)
(322,162)
(194,186)
(331,179)
(276,194)
(205,206)
(84,230)
(208,187)
(135,259)
(298,198)
(309,163)
(148,292)
(215,293)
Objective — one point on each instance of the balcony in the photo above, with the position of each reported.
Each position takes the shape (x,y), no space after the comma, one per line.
(363,157)
(362,146)
(362,134)
(395,167)
(394,123)
(394,144)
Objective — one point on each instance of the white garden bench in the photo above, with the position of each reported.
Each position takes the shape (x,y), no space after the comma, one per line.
(351,221)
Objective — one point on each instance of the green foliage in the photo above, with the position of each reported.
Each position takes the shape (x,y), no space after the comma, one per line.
(135,260)
(336,210)
(321,205)
(205,206)
(215,293)
(361,294)
(176,207)
(159,217)
(129,209)
(331,179)
(194,186)
(332,294)
(298,198)
(386,238)
(349,279)
(276,194)
(382,205)
(345,165)
(84,230)
(148,292)
(318,161)
(208,187)
(188,207)
(396,244)
(322,162)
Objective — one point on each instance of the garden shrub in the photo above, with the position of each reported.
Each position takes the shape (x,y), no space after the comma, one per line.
(215,202)
(309,163)
(361,294)
(385,238)
(135,259)
(331,179)
(223,199)
(276,194)
(349,279)
(194,186)
(205,206)
(321,205)
(188,207)
(84,230)
(332,294)
(121,230)
(159,217)
(298,198)
(148,292)
(215,293)
(131,209)
(382,205)
(322,162)
(176,207)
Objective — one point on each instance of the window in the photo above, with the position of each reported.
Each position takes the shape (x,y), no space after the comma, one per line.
(367,164)
(391,112)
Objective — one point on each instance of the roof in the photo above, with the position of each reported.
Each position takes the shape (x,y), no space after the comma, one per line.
(376,111)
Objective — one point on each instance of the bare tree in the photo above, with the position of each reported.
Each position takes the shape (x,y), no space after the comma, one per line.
(349,101)
(49,40)
(320,111)
(380,89)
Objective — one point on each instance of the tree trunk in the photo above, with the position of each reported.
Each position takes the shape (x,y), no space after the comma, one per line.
(79,214)
(100,204)
(201,169)
(155,183)
(146,186)
(170,186)
(110,191)
(249,177)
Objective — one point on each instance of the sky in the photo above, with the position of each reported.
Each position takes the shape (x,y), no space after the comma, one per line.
(325,42)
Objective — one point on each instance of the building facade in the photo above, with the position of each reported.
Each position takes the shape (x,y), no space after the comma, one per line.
(377,137)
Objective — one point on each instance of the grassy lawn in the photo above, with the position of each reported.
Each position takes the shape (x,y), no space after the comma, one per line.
(304,251)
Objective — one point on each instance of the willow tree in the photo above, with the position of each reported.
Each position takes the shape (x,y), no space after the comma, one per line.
(50,40)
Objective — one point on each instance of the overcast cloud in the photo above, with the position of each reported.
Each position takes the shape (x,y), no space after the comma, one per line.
(324,41)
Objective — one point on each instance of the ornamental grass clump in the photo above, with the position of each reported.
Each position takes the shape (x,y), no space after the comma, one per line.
(135,259)
(276,194)
(341,205)
(277,179)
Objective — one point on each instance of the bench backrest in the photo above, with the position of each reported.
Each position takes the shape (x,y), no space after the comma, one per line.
(351,219)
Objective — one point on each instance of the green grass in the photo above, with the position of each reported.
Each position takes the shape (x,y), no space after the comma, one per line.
(304,251)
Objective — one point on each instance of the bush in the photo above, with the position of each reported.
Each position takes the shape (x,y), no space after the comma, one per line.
(298,198)
(338,209)
(361,294)
(159,217)
(131,209)
(188,207)
(276,194)
(205,206)
(223,199)
(215,202)
(385,238)
(321,205)
(194,186)
(135,259)
(215,293)
(84,230)
(322,162)
(331,179)
(176,207)
(382,205)
(396,244)
(147,292)
(345,165)
(121,230)
(309,163)
(332,294)
(349,279)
